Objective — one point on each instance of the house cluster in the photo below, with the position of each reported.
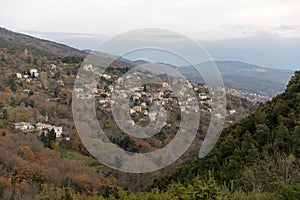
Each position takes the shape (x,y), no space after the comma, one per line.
(86,91)
(41,127)
(29,75)
(145,96)
(250,96)
(143,99)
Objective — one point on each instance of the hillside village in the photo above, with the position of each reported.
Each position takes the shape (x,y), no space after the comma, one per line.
(142,99)
(250,96)
(145,96)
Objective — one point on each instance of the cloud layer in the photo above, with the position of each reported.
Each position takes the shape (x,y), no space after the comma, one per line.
(213,19)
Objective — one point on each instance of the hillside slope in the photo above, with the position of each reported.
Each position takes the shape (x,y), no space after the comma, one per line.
(261,153)
(44,45)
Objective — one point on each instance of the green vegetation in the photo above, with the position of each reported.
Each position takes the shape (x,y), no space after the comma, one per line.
(12,84)
(87,160)
(261,153)
(48,138)
(196,190)
(72,59)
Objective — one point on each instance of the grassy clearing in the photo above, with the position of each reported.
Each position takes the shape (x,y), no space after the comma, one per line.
(88,161)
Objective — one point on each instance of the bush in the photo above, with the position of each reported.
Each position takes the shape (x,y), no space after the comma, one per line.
(291,192)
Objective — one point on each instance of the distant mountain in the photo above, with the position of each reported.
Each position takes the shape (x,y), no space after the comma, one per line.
(237,75)
(140,62)
(15,43)
(44,45)
(243,76)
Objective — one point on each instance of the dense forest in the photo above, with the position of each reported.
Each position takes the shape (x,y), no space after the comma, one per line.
(260,154)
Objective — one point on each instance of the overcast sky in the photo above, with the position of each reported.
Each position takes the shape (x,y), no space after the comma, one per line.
(75,21)
(203,19)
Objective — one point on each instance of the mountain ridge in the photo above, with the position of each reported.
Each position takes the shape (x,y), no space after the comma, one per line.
(243,76)
(42,44)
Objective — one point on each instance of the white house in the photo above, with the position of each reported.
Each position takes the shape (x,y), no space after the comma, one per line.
(78,90)
(218,115)
(26,76)
(103,101)
(20,126)
(165,85)
(52,67)
(18,75)
(137,108)
(111,88)
(95,90)
(203,96)
(146,113)
(106,76)
(40,126)
(131,111)
(26,91)
(34,73)
(58,130)
(88,67)
(60,82)
(23,126)
(144,105)
(152,116)
(231,112)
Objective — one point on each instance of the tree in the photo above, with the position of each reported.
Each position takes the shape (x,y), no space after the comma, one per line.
(48,138)
(204,190)
(291,192)
(31,93)
(5,114)
(76,143)
(12,84)
(177,191)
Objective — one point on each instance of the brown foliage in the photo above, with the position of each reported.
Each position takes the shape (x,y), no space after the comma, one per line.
(25,168)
